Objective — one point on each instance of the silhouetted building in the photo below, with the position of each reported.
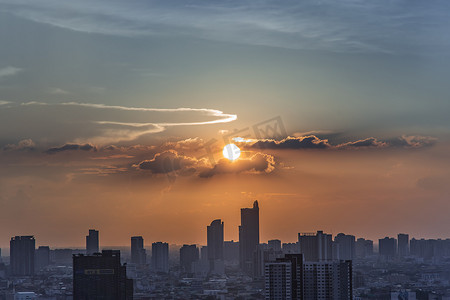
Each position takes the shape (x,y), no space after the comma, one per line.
(387,247)
(328,280)
(138,253)
(92,244)
(290,248)
(248,236)
(160,257)
(315,247)
(215,246)
(275,245)
(22,250)
(188,255)
(62,256)
(363,248)
(261,256)
(231,251)
(345,246)
(403,244)
(100,276)
(292,278)
(42,257)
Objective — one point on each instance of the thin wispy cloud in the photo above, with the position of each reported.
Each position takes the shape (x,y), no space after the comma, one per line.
(98,123)
(338,26)
(9,71)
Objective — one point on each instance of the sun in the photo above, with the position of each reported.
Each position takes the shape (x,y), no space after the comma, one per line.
(231,152)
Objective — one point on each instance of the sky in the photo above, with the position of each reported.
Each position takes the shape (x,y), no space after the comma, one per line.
(113,115)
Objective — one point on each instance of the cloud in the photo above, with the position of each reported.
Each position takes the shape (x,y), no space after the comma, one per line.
(413,141)
(304,142)
(71,147)
(258,163)
(99,124)
(368,142)
(318,25)
(22,145)
(58,91)
(168,161)
(314,142)
(9,71)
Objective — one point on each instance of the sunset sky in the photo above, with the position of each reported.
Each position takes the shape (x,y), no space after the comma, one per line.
(113,116)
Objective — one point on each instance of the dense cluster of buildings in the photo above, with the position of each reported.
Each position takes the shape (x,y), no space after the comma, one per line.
(317,266)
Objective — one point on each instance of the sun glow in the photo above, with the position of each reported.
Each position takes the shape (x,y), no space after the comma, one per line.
(231,152)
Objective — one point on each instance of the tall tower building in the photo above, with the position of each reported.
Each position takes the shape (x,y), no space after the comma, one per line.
(403,244)
(215,240)
(101,276)
(315,247)
(92,245)
(22,250)
(248,236)
(160,257)
(138,254)
(215,246)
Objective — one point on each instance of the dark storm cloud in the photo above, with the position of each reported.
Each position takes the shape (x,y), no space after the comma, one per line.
(71,147)
(258,163)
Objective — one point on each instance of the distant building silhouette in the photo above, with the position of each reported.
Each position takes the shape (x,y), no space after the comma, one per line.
(363,248)
(92,244)
(275,245)
(231,251)
(100,276)
(403,244)
(345,246)
(138,253)
(315,247)
(387,247)
(188,255)
(22,250)
(42,257)
(328,280)
(292,278)
(215,246)
(248,236)
(160,257)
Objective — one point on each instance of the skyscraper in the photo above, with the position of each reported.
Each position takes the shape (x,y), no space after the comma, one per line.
(188,255)
(92,245)
(215,244)
(138,253)
(403,244)
(315,247)
(100,276)
(160,257)
(248,236)
(215,240)
(22,250)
